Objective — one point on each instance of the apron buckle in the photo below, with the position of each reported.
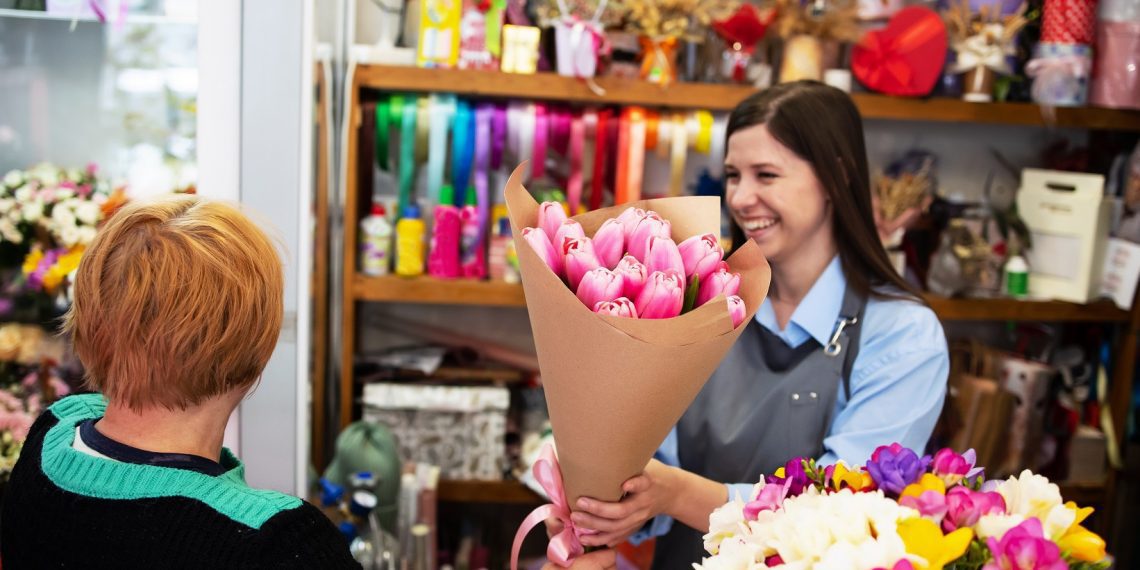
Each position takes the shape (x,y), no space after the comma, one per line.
(833,347)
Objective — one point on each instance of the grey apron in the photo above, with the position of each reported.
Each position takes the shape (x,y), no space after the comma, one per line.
(764,405)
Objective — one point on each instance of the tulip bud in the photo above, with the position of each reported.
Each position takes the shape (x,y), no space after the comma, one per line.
(620,307)
(599,285)
(662,255)
(629,219)
(718,283)
(662,297)
(737,309)
(568,229)
(550,217)
(634,273)
(538,241)
(579,258)
(648,227)
(609,242)
(702,255)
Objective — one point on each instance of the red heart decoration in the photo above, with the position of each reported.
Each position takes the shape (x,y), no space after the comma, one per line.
(906,57)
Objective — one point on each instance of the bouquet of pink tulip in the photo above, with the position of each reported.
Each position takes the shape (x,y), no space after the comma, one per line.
(902,512)
(632,267)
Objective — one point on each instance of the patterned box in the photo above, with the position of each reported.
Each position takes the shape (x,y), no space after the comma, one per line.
(1069,22)
(460,429)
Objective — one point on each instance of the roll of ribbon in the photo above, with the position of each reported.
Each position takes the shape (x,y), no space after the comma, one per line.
(484,117)
(498,135)
(589,151)
(601,153)
(664,136)
(636,165)
(692,128)
(423,126)
(396,110)
(462,150)
(560,119)
(437,144)
(383,131)
(407,151)
(574,180)
(526,139)
(677,156)
(621,177)
(650,130)
(704,132)
(541,140)
(716,149)
(515,112)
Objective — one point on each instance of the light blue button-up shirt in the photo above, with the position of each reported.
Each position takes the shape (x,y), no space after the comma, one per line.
(898,379)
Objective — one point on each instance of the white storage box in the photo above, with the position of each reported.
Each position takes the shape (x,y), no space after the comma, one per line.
(460,429)
(1068,217)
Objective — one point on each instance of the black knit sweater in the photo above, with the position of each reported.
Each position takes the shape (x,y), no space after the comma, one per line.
(67,509)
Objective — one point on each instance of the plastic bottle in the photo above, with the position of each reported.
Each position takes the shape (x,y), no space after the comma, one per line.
(375,242)
(410,243)
(443,255)
(473,259)
(1016,277)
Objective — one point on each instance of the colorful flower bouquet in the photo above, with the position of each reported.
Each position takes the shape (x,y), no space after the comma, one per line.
(30,380)
(902,512)
(631,267)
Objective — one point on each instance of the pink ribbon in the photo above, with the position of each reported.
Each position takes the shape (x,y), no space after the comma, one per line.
(564,547)
(1057,79)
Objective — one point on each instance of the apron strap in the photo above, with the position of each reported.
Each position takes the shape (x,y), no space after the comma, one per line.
(850,319)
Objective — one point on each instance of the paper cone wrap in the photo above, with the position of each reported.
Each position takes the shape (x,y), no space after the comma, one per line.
(616,386)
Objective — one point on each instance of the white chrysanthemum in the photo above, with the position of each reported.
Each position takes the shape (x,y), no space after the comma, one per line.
(996,525)
(63,216)
(14,178)
(724,522)
(6,205)
(69,236)
(9,232)
(24,193)
(86,235)
(64,193)
(88,213)
(735,554)
(33,211)
(1029,495)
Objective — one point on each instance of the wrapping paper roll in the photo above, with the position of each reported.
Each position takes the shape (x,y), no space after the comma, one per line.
(1116,81)
(1069,22)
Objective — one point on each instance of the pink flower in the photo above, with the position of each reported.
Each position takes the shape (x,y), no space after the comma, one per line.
(903,564)
(579,258)
(951,467)
(568,229)
(719,282)
(737,309)
(771,498)
(1024,547)
(649,226)
(599,285)
(544,248)
(702,255)
(609,242)
(634,273)
(662,297)
(629,219)
(964,507)
(620,307)
(92,168)
(661,254)
(550,218)
(930,504)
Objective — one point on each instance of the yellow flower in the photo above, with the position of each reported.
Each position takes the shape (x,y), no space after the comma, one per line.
(63,267)
(32,261)
(855,480)
(779,473)
(924,539)
(1083,544)
(927,483)
(1082,513)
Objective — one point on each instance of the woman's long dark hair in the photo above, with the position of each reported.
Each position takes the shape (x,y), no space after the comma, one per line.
(822,126)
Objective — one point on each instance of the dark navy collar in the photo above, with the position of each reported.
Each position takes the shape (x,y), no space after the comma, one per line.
(120,452)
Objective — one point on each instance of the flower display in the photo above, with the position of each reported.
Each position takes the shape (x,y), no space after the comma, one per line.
(901,511)
(632,267)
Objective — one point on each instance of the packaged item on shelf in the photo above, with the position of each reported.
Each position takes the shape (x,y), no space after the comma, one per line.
(439,33)
(473,242)
(376,243)
(1068,22)
(1116,80)
(1016,277)
(1068,219)
(813,33)
(480,34)
(578,45)
(443,253)
(520,49)
(983,44)
(502,258)
(1121,272)
(460,429)
(906,57)
(741,33)
(1060,74)
(410,243)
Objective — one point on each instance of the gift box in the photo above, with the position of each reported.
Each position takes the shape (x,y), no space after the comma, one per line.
(480,34)
(439,33)
(460,429)
(1116,79)
(577,44)
(1060,74)
(1068,218)
(1068,22)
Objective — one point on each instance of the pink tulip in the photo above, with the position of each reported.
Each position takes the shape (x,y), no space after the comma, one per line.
(599,285)
(634,274)
(568,229)
(662,255)
(620,307)
(662,297)
(629,219)
(550,218)
(964,507)
(580,258)
(544,248)
(1025,547)
(719,282)
(702,255)
(737,309)
(650,226)
(609,242)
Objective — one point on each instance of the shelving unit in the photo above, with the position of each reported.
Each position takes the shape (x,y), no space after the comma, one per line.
(111,19)
(548,87)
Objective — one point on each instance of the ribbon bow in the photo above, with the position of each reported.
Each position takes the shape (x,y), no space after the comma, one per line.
(1058,79)
(983,49)
(564,547)
(905,58)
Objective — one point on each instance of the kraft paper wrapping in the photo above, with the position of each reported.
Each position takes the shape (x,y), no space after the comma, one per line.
(616,386)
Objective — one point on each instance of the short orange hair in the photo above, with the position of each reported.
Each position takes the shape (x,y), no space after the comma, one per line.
(178,299)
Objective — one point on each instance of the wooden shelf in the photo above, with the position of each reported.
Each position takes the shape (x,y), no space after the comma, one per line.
(436,291)
(1102,311)
(1084,494)
(509,492)
(714,97)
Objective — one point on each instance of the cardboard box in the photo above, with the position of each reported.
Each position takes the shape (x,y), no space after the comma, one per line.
(1069,218)
(460,429)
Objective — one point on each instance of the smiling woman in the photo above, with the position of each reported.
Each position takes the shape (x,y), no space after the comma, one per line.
(842,356)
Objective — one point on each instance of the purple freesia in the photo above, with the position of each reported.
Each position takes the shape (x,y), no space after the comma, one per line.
(793,473)
(964,507)
(769,499)
(894,467)
(1025,547)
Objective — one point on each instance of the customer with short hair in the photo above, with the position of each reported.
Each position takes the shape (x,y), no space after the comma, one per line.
(178,304)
